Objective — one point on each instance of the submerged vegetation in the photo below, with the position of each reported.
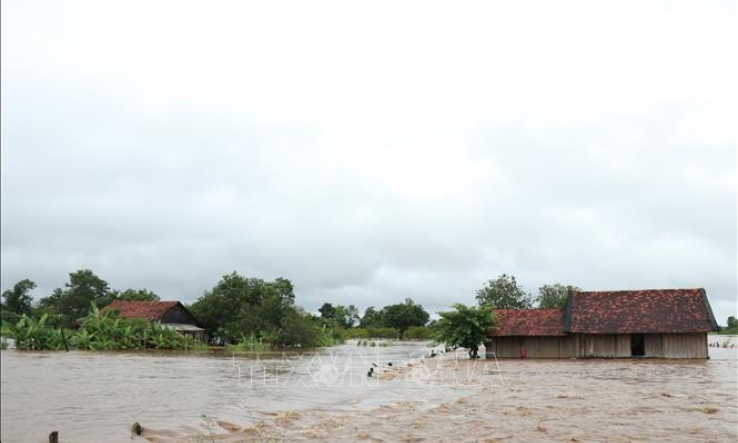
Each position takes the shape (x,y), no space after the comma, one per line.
(100,330)
(248,314)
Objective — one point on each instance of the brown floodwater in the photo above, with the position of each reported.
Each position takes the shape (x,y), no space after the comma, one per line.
(325,395)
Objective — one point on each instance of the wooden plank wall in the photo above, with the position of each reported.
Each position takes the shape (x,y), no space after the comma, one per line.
(685,345)
(536,347)
(600,345)
(653,346)
(604,345)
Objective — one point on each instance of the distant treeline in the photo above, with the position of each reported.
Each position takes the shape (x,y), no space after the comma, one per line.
(253,313)
(250,313)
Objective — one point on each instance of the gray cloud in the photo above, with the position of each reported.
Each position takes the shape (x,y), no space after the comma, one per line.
(169,159)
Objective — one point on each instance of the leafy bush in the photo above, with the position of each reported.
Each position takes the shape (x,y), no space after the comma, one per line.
(34,334)
(390,333)
(100,330)
(418,333)
(355,333)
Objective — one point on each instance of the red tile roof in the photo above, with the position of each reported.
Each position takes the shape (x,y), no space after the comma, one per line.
(643,311)
(149,310)
(530,322)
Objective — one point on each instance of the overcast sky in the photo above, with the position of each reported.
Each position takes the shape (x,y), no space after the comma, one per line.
(371,151)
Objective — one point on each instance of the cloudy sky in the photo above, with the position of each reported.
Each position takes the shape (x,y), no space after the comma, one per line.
(371,151)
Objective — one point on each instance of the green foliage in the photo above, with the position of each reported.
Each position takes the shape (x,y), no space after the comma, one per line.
(68,305)
(389,333)
(8,318)
(327,311)
(356,333)
(554,296)
(504,293)
(339,316)
(250,343)
(136,295)
(465,327)
(18,300)
(732,327)
(347,317)
(299,330)
(732,322)
(404,315)
(372,318)
(100,330)
(33,334)
(418,333)
(238,306)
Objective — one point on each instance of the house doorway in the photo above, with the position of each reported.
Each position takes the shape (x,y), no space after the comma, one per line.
(637,345)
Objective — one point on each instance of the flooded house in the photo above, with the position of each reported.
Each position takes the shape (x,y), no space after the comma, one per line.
(171,314)
(658,323)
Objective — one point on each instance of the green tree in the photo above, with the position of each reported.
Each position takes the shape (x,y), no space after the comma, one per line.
(372,318)
(465,327)
(297,330)
(73,302)
(327,311)
(732,325)
(18,300)
(238,306)
(137,295)
(352,316)
(404,315)
(554,296)
(345,317)
(504,293)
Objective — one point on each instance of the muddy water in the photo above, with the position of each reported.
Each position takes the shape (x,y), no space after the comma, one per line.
(325,395)
(95,396)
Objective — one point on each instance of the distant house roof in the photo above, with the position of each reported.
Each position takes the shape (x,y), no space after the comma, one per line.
(149,310)
(642,311)
(530,322)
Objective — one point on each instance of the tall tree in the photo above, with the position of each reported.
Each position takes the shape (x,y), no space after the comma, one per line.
(346,317)
(465,327)
(554,296)
(405,315)
(327,311)
(18,300)
(732,323)
(504,293)
(74,301)
(372,318)
(238,306)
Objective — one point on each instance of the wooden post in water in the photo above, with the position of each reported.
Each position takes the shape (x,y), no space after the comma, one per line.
(54,437)
(64,339)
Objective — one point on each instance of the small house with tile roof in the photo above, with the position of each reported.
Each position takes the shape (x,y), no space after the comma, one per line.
(658,323)
(171,314)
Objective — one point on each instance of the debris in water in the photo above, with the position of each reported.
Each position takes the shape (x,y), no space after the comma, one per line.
(137,429)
